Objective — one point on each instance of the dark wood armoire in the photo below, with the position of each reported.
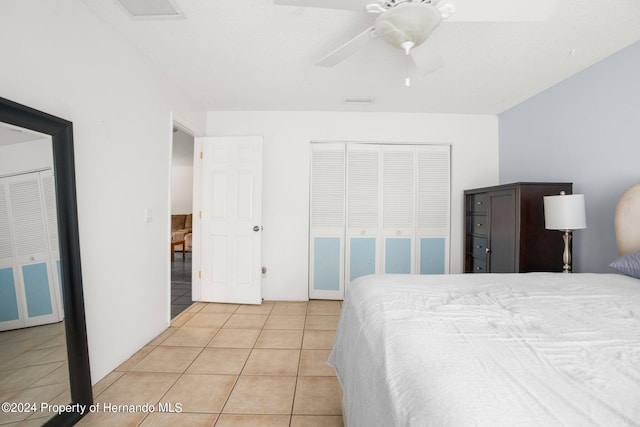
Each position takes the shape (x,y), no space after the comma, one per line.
(505,231)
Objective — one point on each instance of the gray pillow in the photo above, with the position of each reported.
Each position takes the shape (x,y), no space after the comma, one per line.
(628,264)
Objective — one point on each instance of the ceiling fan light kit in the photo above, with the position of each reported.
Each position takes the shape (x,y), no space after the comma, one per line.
(407,22)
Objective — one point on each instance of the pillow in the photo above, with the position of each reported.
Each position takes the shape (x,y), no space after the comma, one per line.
(628,264)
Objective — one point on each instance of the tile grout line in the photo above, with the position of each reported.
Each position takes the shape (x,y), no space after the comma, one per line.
(295,387)
(239,374)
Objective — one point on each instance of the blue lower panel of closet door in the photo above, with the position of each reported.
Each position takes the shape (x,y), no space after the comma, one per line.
(8,298)
(397,256)
(59,270)
(432,255)
(326,263)
(362,257)
(36,286)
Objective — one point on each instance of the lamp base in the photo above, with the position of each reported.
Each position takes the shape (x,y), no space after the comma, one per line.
(566,255)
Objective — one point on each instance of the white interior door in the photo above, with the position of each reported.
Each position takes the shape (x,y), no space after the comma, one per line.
(228,228)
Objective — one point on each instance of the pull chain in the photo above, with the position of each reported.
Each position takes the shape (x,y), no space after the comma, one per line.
(407,46)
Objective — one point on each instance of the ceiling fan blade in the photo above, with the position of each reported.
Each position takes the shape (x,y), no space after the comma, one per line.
(347,49)
(426,58)
(499,10)
(358,5)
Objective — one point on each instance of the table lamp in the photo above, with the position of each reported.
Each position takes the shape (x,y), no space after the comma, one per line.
(565,212)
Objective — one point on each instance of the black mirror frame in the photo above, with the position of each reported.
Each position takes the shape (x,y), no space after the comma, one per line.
(61,132)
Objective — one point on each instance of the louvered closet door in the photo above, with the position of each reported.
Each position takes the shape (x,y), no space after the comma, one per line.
(51,216)
(391,203)
(327,221)
(433,196)
(35,287)
(398,209)
(9,292)
(363,210)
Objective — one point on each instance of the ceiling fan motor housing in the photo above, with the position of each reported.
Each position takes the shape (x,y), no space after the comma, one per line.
(407,22)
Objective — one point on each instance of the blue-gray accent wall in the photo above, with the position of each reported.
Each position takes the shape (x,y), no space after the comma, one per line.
(584,130)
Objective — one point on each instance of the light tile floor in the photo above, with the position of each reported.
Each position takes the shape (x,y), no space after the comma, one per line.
(33,368)
(232,365)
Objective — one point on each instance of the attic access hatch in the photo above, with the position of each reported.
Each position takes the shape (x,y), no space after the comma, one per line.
(151,8)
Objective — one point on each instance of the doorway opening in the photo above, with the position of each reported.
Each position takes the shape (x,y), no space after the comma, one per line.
(181,220)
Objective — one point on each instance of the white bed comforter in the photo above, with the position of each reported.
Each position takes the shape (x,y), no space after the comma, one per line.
(537,349)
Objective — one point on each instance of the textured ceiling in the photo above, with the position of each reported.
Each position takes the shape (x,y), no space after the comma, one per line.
(255,55)
(10,134)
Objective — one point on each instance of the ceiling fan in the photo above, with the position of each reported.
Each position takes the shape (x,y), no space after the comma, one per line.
(407,24)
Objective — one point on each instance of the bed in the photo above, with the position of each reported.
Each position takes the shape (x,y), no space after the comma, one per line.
(533,349)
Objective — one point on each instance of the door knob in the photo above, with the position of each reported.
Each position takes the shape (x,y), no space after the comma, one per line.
(257,228)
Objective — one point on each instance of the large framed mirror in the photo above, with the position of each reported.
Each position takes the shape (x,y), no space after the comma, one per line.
(44,359)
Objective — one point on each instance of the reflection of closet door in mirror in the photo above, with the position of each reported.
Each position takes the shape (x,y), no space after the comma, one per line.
(29,253)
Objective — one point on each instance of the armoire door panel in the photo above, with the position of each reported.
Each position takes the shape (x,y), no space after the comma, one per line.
(502,250)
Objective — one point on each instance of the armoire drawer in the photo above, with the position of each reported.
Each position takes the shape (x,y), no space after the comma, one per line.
(478,203)
(478,265)
(478,246)
(478,224)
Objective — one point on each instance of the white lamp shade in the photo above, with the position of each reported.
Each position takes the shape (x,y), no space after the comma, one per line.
(564,212)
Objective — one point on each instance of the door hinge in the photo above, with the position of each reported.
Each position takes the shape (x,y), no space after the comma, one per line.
(199,274)
(200,214)
(201,155)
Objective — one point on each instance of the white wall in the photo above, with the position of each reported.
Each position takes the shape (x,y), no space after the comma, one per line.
(182,173)
(287,136)
(181,189)
(584,130)
(58,58)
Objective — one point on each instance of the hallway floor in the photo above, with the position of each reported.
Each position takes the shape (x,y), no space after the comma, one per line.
(180,283)
(232,365)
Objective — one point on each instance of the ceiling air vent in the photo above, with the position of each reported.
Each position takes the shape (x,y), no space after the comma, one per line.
(151,8)
(358,101)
